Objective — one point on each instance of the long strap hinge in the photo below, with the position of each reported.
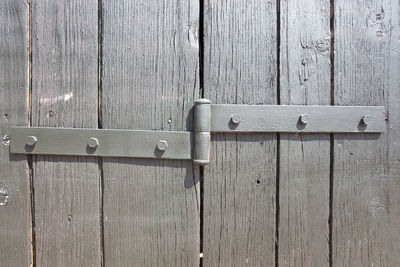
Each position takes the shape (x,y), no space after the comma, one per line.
(208,118)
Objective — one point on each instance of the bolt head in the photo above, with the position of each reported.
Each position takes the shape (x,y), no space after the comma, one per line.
(235,119)
(162,145)
(93,142)
(304,118)
(31,140)
(365,120)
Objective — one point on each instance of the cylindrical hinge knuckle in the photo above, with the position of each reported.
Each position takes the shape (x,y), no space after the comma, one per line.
(202,128)
(202,148)
(202,115)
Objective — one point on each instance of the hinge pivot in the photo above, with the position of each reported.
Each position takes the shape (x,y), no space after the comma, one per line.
(202,129)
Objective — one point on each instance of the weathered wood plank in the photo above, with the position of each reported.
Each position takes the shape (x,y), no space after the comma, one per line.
(239,185)
(305,75)
(150,67)
(15,249)
(304,200)
(64,94)
(366,181)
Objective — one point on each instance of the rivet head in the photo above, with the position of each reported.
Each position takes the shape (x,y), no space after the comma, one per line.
(162,145)
(365,120)
(93,142)
(235,119)
(31,140)
(304,118)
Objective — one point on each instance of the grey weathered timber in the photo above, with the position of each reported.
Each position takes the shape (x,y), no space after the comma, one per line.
(304,159)
(151,78)
(366,182)
(15,232)
(110,143)
(240,47)
(288,118)
(64,94)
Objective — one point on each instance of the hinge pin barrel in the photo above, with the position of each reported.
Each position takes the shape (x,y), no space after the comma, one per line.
(202,129)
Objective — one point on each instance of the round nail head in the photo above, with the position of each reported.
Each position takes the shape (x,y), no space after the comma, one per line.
(162,145)
(93,142)
(366,120)
(31,140)
(304,118)
(235,119)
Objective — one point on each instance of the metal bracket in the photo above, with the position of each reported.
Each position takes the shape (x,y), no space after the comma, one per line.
(208,118)
(102,143)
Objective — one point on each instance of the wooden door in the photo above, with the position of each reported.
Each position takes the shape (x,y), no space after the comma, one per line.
(264,199)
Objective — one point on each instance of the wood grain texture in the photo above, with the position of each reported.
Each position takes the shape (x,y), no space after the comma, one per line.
(304,200)
(366,169)
(305,75)
(14,172)
(240,48)
(150,68)
(64,94)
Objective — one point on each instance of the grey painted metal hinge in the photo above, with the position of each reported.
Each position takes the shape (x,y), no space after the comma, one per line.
(208,118)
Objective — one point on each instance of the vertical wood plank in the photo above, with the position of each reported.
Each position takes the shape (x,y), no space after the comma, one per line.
(64,94)
(150,68)
(366,170)
(14,172)
(240,66)
(305,75)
